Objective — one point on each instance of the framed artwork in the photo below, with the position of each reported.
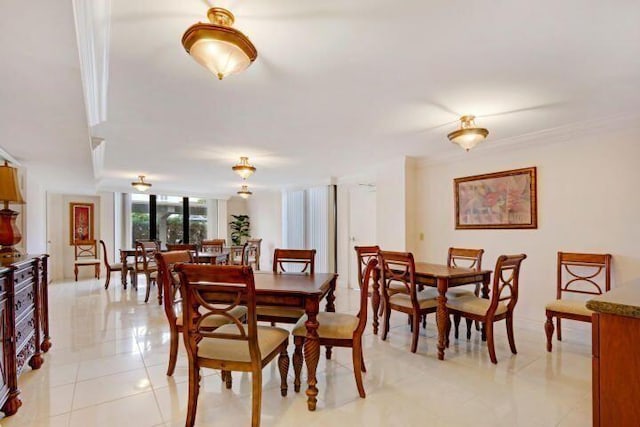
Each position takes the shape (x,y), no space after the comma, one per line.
(497,200)
(80,222)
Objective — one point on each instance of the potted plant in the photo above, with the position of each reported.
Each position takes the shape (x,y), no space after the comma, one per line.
(239,229)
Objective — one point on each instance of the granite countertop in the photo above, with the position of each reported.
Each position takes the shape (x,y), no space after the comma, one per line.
(623,301)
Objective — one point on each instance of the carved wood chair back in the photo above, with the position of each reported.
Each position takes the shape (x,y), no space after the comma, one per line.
(398,268)
(582,273)
(191,247)
(506,278)
(85,250)
(169,281)
(467,258)
(365,254)
(253,255)
(305,257)
(212,245)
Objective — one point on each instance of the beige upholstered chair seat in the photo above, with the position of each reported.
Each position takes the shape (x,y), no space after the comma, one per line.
(216,320)
(118,266)
(570,307)
(269,339)
(475,305)
(332,325)
(153,274)
(459,293)
(87,261)
(426,299)
(293,313)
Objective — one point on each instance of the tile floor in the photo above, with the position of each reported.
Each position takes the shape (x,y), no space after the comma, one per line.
(109,355)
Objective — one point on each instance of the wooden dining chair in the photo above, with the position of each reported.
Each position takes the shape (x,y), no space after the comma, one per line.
(276,314)
(86,255)
(145,263)
(253,255)
(465,258)
(110,268)
(213,245)
(338,330)
(191,247)
(398,268)
(504,296)
(363,255)
(238,254)
(170,282)
(232,347)
(577,273)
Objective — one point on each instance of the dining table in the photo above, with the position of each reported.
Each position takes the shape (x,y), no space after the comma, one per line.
(297,290)
(441,277)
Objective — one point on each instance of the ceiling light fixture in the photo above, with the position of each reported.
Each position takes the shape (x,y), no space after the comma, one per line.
(244,192)
(218,46)
(244,169)
(468,136)
(140,185)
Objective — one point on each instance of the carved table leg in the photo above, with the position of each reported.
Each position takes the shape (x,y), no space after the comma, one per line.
(375,299)
(312,350)
(442,317)
(12,404)
(331,308)
(36,361)
(46,344)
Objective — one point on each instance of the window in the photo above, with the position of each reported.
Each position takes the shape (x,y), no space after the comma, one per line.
(169,219)
(140,227)
(198,220)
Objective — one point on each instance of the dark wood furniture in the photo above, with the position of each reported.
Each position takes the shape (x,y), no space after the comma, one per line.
(110,268)
(443,278)
(399,268)
(86,255)
(172,300)
(192,247)
(234,346)
(213,245)
(616,365)
(468,258)
(577,273)
(218,258)
(145,263)
(238,254)
(253,255)
(125,254)
(24,331)
(504,296)
(339,330)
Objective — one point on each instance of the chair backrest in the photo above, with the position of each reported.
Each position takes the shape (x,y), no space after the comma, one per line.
(215,290)
(85,249)
(213,245)
(306,257)
(364,295)
(239,255)
(467,258)
(170,286)
(398,267)
(105,258)
(254,248)
(577,271)
(365,254)
(506,278)
(145,251)
(192,247)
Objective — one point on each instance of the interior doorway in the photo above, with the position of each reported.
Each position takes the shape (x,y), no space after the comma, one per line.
(362,224)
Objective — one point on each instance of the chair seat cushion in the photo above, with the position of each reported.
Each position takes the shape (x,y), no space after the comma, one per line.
(269,339)
(87,261)
(216,320)
(459,293)
(153,274)
(569,307)
(332,325)
(474,305)
(426,299)
(292,313)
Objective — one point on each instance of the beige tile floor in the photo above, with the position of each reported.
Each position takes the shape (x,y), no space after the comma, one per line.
(108,361)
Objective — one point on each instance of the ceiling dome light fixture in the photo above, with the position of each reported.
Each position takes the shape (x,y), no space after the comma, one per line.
(140,185)
(244,192)
(468,136)
(217,46)
(244,169)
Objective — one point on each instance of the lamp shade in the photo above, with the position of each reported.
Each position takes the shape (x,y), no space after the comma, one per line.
(244,169)
(9,185)
(244,192)
(217,46)
(140,184)
(469,135)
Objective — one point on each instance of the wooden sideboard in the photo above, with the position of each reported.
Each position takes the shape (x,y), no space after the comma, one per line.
(616,364)
(24,333)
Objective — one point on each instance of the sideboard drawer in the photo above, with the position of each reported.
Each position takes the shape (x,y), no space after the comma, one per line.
(25,329)
(24,300)
(25,274)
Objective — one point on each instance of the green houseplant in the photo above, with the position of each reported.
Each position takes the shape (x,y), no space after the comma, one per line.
(239,228)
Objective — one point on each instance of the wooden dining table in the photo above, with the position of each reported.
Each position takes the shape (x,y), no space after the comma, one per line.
(441,277)
(298,290)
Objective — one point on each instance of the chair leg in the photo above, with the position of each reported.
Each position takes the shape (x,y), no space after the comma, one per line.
(387,318)
(106,283)
(548,329)
(173,352)
(283,365)
(410,322)
(559,330)
(228,379)
(329,351)
(97,271)
(297,363)
(469,323)
(490,343)
(148,291)
(456,322)
(356,353)
(194,388)
(256,397)
(512,341)
(159,292)
(75,271)
(447,329)
(416,332)
(364,367)
(424,321)
(483,332)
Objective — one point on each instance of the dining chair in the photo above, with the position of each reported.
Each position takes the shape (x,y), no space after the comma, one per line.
(110,268)
(338,330)
(577,273)
(145,263)
(232,347)
(504,296)
(253,256)
(238,254)
(170,282)
(86,255)
(276,314)
(363,255)
(191,247)
(398,271)
(213,245)
(466,258)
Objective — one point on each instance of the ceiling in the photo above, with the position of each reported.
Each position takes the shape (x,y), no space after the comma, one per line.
(337,85)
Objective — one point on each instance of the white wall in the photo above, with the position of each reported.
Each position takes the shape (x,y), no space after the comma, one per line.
(35,220)
(265,213)
(588,201)
(235,206)
(391,205)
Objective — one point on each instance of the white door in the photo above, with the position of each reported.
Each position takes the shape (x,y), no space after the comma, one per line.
(362,224)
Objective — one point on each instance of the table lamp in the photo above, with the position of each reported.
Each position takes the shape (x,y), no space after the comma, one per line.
(9,192)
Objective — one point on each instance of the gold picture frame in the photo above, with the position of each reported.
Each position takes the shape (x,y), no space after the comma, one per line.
(81,222)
